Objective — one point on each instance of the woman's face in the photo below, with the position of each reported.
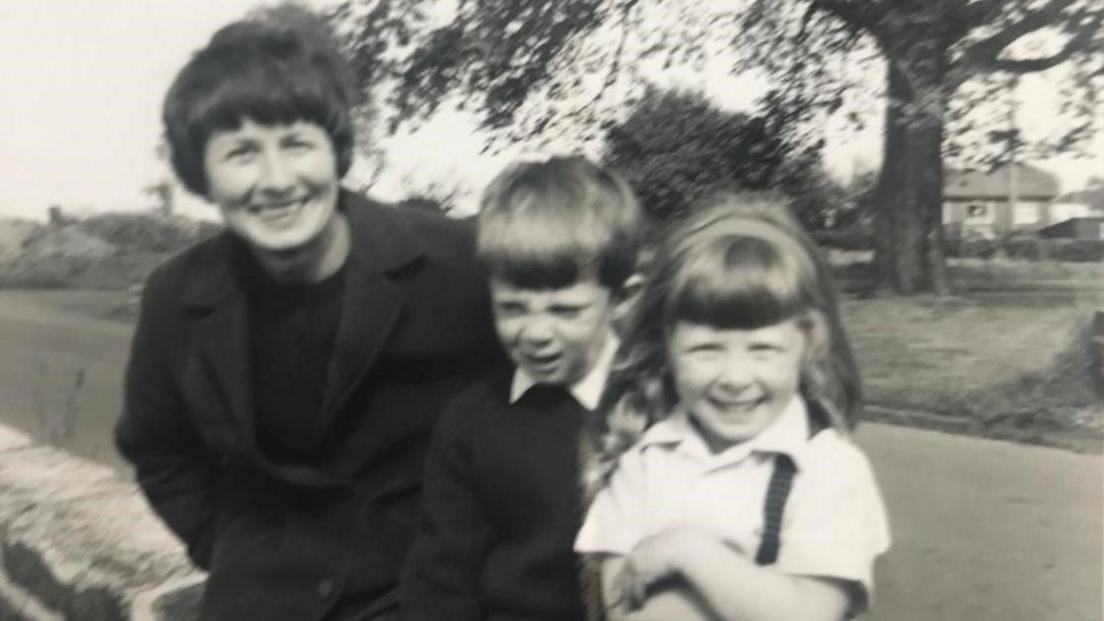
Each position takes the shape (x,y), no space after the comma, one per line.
(276,185)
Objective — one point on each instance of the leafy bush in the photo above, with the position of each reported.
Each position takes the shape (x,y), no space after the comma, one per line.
(140,232)
(1074,250)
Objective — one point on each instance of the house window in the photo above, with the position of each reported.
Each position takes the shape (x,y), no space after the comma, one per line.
(977,213)
(1025,213)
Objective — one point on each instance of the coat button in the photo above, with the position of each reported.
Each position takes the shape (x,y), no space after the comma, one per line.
(325,588)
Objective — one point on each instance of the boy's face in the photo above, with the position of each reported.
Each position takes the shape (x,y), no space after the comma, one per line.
(555,335)
(734,383)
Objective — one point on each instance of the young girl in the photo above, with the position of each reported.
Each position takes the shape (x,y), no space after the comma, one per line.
(742,496)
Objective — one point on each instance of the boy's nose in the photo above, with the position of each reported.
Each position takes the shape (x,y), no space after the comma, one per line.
(536,331)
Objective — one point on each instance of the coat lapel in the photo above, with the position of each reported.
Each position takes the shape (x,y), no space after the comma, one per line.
(222,335)
(225,342)
(373,298)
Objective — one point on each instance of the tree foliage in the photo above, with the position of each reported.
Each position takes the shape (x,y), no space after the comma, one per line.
(678,147)
(540,67)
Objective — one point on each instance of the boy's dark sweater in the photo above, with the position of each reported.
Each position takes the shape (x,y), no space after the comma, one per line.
(501,510)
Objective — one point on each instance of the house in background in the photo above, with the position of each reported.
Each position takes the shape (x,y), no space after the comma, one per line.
(993,204)
(1080,227)
(1087,203)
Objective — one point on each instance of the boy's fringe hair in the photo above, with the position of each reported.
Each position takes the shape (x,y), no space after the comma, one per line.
(546,224)
(740,261)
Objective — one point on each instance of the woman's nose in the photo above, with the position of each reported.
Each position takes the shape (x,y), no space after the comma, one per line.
(275,175)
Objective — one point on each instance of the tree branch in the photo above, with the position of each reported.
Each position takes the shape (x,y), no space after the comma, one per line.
(862,15)
(972,15)
(984,55)
(615,64)
(1077,43)
(989,48)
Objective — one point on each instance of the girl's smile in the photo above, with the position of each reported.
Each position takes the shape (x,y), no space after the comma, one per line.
(733,383)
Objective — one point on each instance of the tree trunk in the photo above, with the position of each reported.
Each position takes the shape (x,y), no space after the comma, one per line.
(909,255)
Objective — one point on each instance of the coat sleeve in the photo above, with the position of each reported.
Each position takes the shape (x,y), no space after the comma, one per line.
(441,577)
(172,466)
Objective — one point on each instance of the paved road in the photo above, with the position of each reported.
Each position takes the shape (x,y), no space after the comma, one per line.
(987,530)
(983,530)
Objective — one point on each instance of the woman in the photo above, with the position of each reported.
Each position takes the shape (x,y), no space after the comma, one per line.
(284,375)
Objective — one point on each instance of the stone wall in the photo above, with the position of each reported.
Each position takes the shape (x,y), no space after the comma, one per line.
(77,541)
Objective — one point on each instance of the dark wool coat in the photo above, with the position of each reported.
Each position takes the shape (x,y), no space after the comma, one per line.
(288,541)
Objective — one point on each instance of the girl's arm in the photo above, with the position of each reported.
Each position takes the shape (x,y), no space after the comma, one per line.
(729,585)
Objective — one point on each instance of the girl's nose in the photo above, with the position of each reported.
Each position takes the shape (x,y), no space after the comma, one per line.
(734,375)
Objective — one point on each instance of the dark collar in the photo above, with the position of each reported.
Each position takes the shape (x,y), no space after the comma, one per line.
(382,241)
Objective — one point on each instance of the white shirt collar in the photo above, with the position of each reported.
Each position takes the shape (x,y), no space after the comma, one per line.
(787,435)
(587,391)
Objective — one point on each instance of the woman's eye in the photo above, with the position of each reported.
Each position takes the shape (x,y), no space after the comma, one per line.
(239,153)
(298,145)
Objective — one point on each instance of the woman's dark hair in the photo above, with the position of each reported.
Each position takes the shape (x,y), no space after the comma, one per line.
(278,66)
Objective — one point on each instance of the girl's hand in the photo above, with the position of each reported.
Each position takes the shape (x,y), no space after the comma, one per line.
(657,557)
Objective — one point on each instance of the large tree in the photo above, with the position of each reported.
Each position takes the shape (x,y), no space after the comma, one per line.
(535,67)
(942,59)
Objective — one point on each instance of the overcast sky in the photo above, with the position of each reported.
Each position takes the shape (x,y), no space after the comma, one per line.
(83,82)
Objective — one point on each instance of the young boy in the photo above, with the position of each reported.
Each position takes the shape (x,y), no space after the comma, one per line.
(502,505)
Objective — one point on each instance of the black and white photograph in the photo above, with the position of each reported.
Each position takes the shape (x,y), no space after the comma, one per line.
(552,310)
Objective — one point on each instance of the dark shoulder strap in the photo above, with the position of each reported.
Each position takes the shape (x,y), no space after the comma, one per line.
(778,491)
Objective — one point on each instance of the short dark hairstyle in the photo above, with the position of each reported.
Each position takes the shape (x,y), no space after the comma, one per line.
(278,66)
(547,224)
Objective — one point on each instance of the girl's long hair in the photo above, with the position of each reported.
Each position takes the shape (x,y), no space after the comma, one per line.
(742,261)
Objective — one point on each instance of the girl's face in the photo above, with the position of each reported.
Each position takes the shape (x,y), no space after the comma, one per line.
(276,185)
(734,383)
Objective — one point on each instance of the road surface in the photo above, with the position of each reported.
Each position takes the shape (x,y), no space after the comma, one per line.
(983,530)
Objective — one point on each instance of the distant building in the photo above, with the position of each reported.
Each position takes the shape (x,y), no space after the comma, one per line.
(1075,228)
(1087,203)
(993,204)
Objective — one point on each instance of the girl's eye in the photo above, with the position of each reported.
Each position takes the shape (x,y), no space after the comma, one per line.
(765,348)
(703,349)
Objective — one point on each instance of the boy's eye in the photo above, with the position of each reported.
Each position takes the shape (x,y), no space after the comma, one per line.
(509,308)
(567,312)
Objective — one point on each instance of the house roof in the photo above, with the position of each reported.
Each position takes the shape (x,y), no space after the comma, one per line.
(1031,182)
(1090,196)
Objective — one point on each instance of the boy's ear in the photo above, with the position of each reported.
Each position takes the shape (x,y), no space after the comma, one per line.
(626,297)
